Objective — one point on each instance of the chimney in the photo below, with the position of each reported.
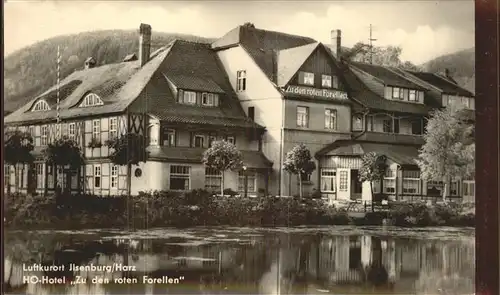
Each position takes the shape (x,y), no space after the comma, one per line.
(336,36)
(89,63)
(144,43)
(447,73)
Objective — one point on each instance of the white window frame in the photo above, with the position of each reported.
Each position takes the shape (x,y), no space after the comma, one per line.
(396,90)
(39,168)
(213,179)
(202,140)
(329,175)
(329,114)
(252,181)
(96,129)
(113,127)
(389,177)
(414,92)
(114,176)
(302,116)
(44,135)
(91,100)
(469,186)
(72,131)
(41,106)
(189,97)
(180,174)
(414,180)
(241,80)
(326,81)
(97,176)
(231,139)
(307,78)
(207,99)
(168,137)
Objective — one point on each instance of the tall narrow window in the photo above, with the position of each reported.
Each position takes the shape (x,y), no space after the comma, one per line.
(328,180)
(251,113)
(180,177)
(189,97)
(241,81)
(413,95)
(395,92)
(330,119)
(113,127)
(306,78)
(396,125)
(389,182)
(212,179)
(343,181)
(168,137)
(411,182)
(302,116)
(96,129)
(326,81)
(198,140)
(72,131)
(44,135)
(97,176)
(114,176)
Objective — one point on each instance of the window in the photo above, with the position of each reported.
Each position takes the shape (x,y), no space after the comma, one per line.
(469,188)
(231,139)
(306,78)
(114,176)
(207,99)
(465,102)
(326,81)
(97,176)
(455,188)
(211,139)
(413,95)
(369,123)
(389,182)
(44,135)
(328,180)
(96,129)
(416,127)
(330,119)
(189,97)
(357,123)
(213,179)
(168,137)
(113,128)
(39,169)
(179,177)
(302,116)
(241,81)
(72,131)
(198,140)
(411,182)
(387,126)
(420,96)
(41,105)
(91,100)
(397,93)
(251,113)
(251,181)
(343,181)
(396,125)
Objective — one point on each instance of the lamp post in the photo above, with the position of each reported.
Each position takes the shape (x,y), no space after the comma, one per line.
(246,180)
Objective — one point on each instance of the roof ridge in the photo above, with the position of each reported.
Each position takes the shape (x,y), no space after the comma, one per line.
(280,33)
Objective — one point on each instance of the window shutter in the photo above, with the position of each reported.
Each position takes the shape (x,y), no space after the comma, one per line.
(216,100)
(421,96)
(405,94)
(180,97)
(198,98)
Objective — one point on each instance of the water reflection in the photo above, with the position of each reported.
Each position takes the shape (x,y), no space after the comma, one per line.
(264,262)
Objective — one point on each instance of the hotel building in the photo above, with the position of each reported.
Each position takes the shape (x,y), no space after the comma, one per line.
(265,92)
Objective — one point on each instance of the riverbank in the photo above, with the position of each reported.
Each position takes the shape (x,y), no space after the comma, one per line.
(200,208)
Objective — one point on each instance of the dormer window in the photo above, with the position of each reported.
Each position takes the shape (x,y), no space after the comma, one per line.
(91,100)
(193,98)
(306,78)
(208,99)
(41,105)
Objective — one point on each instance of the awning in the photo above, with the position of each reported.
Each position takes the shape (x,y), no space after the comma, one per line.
(403,155)
(251,159)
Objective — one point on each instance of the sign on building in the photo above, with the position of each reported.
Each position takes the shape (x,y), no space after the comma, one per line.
(308,91)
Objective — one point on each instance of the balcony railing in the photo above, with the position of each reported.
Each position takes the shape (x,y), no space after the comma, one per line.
(392,138)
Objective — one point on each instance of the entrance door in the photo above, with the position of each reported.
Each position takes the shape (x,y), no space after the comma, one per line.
(344,184)
(356,186)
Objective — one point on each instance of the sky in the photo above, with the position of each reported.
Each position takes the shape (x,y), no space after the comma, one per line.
(424,29)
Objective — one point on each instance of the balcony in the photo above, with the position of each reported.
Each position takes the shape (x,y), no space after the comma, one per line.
(390,138)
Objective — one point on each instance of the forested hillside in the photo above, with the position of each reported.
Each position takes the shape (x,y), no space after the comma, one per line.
(31,70)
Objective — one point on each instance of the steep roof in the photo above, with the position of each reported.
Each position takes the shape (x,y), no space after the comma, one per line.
(290,60)
(384,74)
(440,82)
(118,85)
(194,83)
(201,64)
(261,45)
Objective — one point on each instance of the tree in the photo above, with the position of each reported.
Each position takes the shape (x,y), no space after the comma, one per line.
(449,149)
(373,168)
(63,152)
(222,156)
(128,150)
(17,150)
(298,161)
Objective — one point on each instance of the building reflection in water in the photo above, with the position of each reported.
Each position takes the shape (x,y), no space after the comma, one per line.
(286,264)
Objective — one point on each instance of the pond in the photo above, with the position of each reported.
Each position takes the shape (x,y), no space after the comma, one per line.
(225,260)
